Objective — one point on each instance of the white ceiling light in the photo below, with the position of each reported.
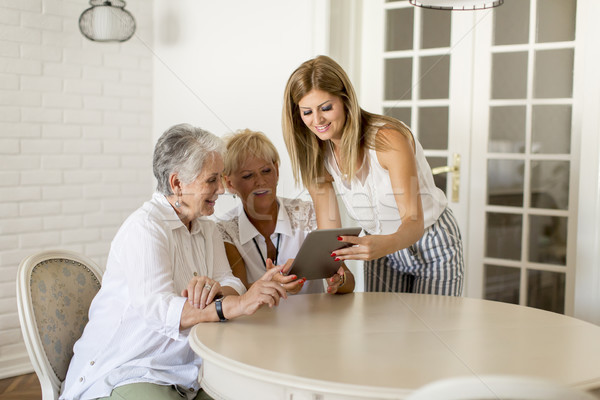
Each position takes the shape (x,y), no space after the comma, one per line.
(457,4)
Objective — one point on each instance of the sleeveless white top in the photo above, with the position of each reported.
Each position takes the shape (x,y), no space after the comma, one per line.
(368,195)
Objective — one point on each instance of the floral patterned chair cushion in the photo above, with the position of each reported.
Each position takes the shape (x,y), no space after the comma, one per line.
(61,292)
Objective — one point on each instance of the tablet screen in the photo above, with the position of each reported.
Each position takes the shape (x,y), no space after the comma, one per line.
(314,260)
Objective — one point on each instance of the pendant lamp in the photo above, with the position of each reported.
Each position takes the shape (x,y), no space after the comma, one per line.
(457,4)
(107,21)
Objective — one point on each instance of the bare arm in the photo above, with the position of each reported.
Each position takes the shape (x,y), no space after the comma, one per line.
(238,267)
(399,160)
(326,206)
(401,164)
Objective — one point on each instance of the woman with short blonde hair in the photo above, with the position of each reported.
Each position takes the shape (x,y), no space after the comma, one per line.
(265,229)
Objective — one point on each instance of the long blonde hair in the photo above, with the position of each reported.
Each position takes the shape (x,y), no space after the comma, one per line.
(306,151)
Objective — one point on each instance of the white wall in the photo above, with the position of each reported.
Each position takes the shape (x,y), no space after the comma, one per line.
(78,120)
(75,141)
(223,66)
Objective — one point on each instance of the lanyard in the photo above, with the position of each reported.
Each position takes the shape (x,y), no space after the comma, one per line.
(276,250)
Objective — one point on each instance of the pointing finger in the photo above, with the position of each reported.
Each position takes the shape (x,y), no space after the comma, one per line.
(271,273)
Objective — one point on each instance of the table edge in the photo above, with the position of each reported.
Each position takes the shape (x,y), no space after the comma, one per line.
(294,381)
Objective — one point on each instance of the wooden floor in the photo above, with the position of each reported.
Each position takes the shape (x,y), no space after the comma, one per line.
(24,387)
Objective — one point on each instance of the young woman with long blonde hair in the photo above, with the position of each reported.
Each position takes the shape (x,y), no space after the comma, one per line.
(412,241)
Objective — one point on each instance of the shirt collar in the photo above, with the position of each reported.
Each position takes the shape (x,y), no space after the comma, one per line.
(249,232)
(284,225)
(167,213)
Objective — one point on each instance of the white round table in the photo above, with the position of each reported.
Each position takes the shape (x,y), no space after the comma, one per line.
(385,345)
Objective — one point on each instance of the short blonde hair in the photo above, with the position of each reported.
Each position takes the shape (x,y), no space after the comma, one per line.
(244,143)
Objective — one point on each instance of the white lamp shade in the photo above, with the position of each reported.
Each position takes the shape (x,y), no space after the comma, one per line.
(457,4)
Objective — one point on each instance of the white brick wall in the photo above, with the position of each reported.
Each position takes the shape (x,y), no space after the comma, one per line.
(75,141)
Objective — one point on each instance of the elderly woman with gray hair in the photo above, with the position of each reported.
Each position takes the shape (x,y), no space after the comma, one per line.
(166,272)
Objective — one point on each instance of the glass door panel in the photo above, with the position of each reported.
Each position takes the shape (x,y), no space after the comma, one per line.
(550,184)
(504,236)
(433,126)
(507,129)
(505,182)
(553,74)
(547,239)
(555,20)
(435,29)
(416,85)
(546,290)
(441,180)
(433,77)
(511,23)
(551,129)
(528,159)
(398,78)
(400,26)
(509,75)
(503,283)
(400,113)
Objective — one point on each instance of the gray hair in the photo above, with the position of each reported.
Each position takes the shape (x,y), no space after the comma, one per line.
(183,149)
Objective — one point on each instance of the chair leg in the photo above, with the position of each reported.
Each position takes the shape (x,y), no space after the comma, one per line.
(49,392)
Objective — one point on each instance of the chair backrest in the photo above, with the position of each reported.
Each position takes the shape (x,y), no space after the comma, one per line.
(54,292)
(494,387)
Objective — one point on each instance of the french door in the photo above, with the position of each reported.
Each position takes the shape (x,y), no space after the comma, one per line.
(490,95)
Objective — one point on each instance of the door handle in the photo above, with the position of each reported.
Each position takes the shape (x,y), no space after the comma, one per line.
(455,170)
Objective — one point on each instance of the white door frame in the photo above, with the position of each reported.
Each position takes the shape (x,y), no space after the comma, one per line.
(586,116)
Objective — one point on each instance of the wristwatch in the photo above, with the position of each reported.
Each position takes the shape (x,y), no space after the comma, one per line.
(219,308)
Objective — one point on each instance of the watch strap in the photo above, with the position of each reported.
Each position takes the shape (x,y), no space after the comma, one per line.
(219,308)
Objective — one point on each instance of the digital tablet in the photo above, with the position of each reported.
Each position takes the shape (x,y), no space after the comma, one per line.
(314,260)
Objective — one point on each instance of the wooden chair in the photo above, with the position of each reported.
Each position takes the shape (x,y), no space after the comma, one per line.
(54,291)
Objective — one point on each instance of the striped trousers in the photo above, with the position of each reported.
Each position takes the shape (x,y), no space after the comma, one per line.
(433,265)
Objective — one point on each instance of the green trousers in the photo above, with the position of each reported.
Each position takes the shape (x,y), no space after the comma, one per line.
(145,391)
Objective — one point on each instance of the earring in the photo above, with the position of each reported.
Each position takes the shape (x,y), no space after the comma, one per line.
(234,196)
(177,204)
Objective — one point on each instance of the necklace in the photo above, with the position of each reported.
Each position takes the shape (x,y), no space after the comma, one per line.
(371,223)
(345,177)
(261,254)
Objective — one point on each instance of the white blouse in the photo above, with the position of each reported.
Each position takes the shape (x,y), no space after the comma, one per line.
(369,198)
(133,333)
(295,220)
